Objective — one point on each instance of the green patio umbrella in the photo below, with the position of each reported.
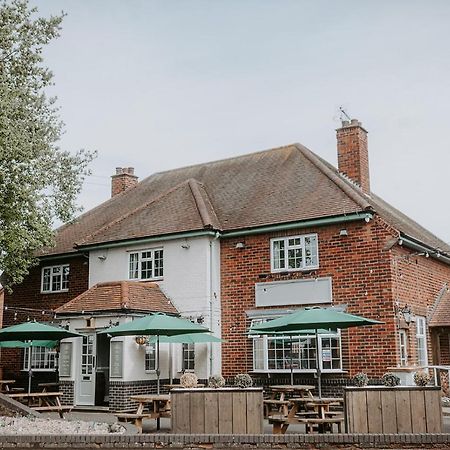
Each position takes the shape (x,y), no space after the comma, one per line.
(316,318)
(33,331)
(190,338)
(158,325)
(28,344)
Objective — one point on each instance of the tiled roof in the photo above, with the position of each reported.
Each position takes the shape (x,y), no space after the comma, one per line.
(276,186)
(120,295)
(440,315)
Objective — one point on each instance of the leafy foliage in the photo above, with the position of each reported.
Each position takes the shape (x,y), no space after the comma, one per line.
(189,380)
(243,380)
(361,379)
(422,378)
(390,379)
(216,381)
(39,182)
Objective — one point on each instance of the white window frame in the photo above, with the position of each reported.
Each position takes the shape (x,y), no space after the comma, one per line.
(264,339)
(52,275)
(150,347)
(187,349)
(403,347)
(140,260)
(286,268)
(48,355)
(421,340)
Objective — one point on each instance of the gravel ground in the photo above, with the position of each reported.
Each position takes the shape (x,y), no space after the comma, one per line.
(25,425)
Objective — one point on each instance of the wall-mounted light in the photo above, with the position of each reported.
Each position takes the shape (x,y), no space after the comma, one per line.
(140,340)
(240,245)
(343,232)
(185,246)
(101,257)
(406,312)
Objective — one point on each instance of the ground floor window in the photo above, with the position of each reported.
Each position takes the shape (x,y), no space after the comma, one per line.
(403,343)
(150,357)
(277,353)
(42,358)
(421,341)
(188,356)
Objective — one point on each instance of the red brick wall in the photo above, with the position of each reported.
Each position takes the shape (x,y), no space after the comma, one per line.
(28,295)
(417,282)
(364,277)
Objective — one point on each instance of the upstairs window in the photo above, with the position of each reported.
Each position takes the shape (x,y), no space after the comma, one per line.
(146,265)
(294,253)
(55,278)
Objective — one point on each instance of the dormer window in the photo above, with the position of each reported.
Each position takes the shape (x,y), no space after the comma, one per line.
(55,279)
(294,253)
(146,265)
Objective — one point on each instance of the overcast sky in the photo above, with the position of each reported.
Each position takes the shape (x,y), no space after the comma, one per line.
(162,84)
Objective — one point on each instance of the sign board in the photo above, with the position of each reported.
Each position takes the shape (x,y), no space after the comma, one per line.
(310,291)
(116,359)
(326,355)
(65,359)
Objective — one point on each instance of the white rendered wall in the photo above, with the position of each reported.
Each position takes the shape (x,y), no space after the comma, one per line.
(190,284)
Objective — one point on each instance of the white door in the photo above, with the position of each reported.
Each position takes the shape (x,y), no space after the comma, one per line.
(86,380)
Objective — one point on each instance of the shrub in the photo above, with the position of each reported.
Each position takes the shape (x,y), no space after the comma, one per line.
(189,380)
(361,379)
(421,378)
(390,379)
(243,380)
(216,381)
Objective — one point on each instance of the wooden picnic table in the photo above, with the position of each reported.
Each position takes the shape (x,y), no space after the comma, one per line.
(317,417)
(42,401)
(45,386)
(278,403)
(152,406)
(4,385)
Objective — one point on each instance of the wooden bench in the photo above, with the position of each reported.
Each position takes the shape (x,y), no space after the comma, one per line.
(322,424)
(60,409)
(279,423)
(277,406)
(135,419)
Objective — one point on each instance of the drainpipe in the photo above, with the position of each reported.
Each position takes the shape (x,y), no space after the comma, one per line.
(211,296)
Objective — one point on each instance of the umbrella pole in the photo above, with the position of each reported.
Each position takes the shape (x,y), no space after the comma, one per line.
(157,369)
(319,372)
(29,368)
(292,367)
(170,364)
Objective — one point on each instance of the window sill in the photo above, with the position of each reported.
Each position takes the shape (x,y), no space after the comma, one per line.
(304,269)
(143,280)
(55,292)
(311,371)
(38,370)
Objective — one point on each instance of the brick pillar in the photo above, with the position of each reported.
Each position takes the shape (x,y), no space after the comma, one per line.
(123,180)
(353,153)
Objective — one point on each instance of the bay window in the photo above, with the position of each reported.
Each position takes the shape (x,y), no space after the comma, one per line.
(294,253)
(275,353)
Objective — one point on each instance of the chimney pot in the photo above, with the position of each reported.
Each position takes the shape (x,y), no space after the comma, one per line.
(123,179)
(353,154)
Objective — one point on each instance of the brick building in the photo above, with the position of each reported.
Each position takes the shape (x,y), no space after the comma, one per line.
(243,240)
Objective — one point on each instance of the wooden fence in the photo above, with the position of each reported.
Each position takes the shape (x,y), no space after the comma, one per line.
(221,411)
(401,409)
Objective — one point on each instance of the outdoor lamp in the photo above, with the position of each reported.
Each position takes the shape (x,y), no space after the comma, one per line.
(140,340)
(407,314)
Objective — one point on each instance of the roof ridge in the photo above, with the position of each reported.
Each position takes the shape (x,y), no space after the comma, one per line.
(130,213)
(200,202)
(336,179)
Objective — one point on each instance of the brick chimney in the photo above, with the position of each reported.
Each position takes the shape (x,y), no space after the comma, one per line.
(123,180)
(353,154)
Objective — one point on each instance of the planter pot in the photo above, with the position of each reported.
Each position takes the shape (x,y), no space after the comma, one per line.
(400,409)
(217,411)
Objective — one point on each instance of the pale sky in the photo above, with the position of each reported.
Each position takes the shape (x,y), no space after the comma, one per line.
(162,84)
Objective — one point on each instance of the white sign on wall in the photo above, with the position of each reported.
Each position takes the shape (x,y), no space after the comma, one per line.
(294,292)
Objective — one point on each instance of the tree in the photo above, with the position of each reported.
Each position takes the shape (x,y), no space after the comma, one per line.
(39,182)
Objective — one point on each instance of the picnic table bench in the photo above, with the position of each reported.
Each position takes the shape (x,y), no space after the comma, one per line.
(42,401)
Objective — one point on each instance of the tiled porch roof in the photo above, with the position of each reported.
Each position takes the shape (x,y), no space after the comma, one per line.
(120,295)
(440,316)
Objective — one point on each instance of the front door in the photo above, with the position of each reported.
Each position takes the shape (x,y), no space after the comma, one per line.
(86,385)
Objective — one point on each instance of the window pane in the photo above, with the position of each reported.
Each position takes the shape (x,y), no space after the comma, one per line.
(258,353)
(278,254)
(295,258)
(56,278)
(146,269)
(65,277)
(150,357)
(46,279)
(310,251)
(133,269)
(188,356)
(159,263)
